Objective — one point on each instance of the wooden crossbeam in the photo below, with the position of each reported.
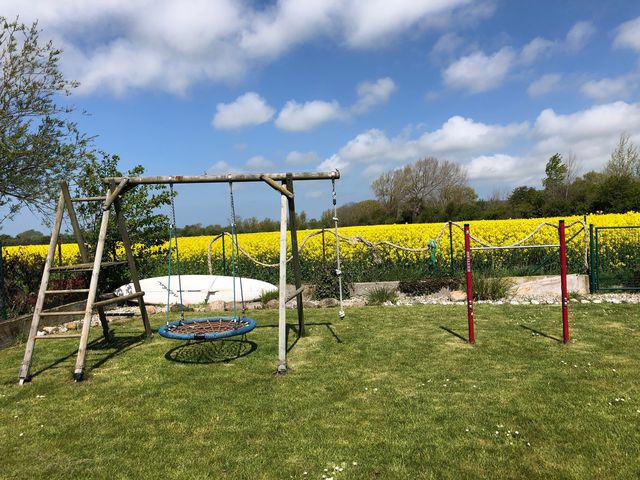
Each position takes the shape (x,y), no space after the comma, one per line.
(119,299)
(236,178)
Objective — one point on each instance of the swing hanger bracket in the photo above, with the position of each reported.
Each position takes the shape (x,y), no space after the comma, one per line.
(276,186)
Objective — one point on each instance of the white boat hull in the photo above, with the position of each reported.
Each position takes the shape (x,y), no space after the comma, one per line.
(197,289)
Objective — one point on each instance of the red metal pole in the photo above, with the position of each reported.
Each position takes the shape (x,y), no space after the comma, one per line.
(467,257)
(563,282)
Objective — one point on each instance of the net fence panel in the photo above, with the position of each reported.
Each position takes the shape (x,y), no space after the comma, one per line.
(616,259)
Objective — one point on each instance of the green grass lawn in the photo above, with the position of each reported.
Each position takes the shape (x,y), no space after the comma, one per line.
(389,392)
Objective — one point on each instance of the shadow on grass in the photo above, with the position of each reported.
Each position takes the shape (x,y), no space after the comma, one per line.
(455,334)
(542,334)
(208,352)
(111,347)
(292,330)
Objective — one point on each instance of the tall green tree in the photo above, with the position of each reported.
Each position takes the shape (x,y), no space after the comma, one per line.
(555,171)
(625,159)
(39,144)
(145,208)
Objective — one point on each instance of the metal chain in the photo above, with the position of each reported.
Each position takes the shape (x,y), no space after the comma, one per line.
(335,224)
(175,236)
(235,256)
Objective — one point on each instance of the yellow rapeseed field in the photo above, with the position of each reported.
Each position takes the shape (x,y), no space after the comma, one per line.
(264,246)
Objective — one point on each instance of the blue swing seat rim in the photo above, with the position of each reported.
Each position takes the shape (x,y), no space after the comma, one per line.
(166,332)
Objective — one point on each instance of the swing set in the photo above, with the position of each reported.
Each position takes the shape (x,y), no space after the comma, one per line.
(219,327)
(208,328)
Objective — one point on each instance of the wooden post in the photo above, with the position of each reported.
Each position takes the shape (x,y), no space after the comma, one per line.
(77,231)
(295,256)
(563,282)
(104,322)
(91,296)
(28,354)
(133,270)
(282,312)
(467,258)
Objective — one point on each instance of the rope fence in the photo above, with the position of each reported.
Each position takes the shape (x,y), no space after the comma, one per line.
(431,245)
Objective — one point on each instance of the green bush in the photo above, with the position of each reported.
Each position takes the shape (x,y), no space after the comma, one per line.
(491,288)
(268,295)
(325,283)
(380,295)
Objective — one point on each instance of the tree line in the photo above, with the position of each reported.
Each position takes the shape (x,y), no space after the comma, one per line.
(432,190)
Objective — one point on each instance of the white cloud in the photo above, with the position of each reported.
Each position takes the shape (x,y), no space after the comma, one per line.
(457,139)
(296,117)
(285,24)
(446,46)
(628,35)
(608,88)
(578,36)
(459,134)
(545,84)
(479,72)
(489,151)
(371,94)
(122,45)
(258,162)
(301,158)
(594,121)
(373,171)
(334,162)
(247,109)
(494,167)
(370,22)
(535,49)
(219,168)
(591,133)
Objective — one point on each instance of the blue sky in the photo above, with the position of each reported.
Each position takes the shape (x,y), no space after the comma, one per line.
(224,86)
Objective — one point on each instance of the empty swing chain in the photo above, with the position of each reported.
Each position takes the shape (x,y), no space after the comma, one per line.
(172,233)
(235,255)
(335,224)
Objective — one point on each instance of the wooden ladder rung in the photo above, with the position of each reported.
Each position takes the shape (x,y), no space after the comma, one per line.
(85,266)
(62,292)
(122,298)
(62,314)
(88,199)
(56,337)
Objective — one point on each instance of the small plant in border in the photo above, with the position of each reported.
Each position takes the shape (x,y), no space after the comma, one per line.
(268,295)
(491,288)
(381,295)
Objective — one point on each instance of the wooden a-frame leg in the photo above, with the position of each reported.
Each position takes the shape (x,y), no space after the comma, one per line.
(104,322)
(124,235)
(77,231)
(28,354)
(297,276)
(91,297)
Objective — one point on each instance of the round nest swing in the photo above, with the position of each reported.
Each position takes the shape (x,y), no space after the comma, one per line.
(207,328)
